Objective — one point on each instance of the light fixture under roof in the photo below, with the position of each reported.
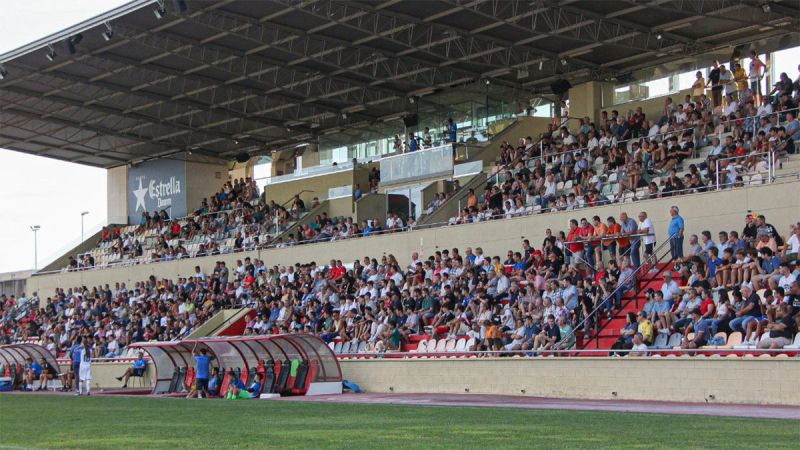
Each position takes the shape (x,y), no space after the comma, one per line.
(160,10)
(109,33)
(72,43)
(51,53)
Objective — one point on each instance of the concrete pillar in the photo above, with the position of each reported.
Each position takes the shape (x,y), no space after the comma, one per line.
(117,195)
(202,181)
(586,99)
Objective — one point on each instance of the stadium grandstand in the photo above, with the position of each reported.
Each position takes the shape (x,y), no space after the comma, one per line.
(419,197)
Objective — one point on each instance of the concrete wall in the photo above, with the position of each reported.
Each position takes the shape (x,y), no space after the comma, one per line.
(450,208)
(371,206)
(104,375)
(695,380)
(202,181)
(117,195)
(434,188)
(525,126)
(238,170)
(317,185)
(586,99)
(341,207)
(652,108)
(741,380)
(714,211)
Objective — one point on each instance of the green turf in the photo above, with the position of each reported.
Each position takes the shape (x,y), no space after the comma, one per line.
(36,421)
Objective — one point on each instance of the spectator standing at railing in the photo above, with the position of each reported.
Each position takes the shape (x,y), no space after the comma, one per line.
(792,126)
(699,86)
(452,133)
(726,80)
(629,245)
(646,227)
(716,87)
(740,76)
(675,232)
(412,144)
(756,71)
(427,139)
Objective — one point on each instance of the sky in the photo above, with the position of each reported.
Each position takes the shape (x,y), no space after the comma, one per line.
(42,191)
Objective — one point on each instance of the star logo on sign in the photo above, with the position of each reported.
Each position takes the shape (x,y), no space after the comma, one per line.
(139,194)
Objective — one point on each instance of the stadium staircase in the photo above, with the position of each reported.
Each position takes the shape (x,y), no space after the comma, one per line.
(605,332)
(228,322)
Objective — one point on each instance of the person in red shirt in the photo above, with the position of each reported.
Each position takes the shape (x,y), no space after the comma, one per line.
(575,245)
(176,229)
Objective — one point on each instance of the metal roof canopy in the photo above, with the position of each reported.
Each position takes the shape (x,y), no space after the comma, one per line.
(225,77)
(16,354)
(241,352)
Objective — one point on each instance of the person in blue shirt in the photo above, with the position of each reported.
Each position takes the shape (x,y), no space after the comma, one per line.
(76,363)
(202,362)
(136,369)
(769,268)
(238,391)
(676,229)
(214,382)
(713,262)
(452,131)
(412,143)
(368,229)
(32,371)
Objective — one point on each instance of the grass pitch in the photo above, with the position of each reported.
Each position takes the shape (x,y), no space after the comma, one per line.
(38,421)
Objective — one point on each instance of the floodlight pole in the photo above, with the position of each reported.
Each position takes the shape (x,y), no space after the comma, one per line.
(83,214)
(35,228)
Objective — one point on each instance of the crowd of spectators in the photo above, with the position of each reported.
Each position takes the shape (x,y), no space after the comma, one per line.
(746,282)
(530,300)
(626,157)
(539,294)
(614,159)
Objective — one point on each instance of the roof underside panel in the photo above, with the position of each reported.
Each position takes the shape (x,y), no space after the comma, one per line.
(226,76)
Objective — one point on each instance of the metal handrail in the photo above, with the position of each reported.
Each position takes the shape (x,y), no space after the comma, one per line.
(611,295)
(770,159)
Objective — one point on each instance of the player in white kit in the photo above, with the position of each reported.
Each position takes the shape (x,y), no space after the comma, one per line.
(85,369)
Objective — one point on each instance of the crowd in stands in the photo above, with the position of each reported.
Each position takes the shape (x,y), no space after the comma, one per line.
(377,300)
(746,283)
(627,157)
(530,300)
(614,159)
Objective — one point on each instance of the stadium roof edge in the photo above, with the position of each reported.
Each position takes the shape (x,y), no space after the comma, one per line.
(87,24)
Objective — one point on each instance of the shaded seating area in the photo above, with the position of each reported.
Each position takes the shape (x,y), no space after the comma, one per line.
(12,362)
(297,364)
